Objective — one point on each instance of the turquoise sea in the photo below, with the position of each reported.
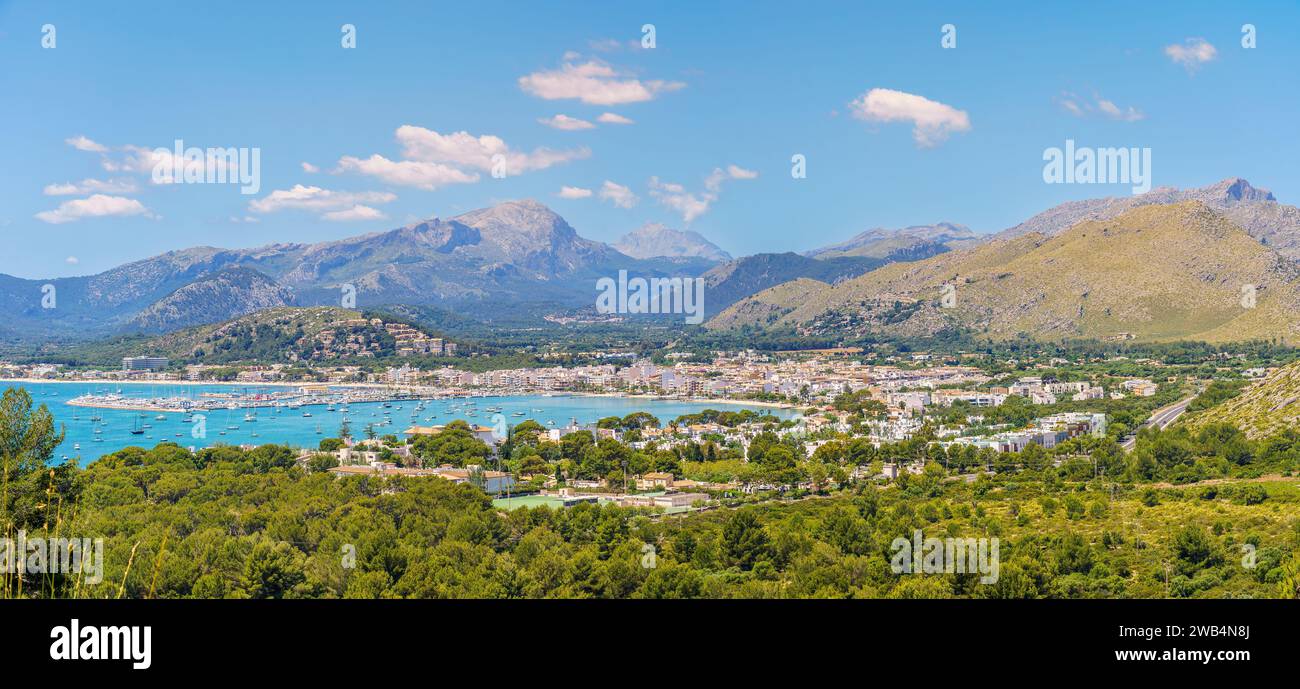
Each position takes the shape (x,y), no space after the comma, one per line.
(288,426)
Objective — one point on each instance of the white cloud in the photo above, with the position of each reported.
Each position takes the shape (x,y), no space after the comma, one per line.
(91,186)
(1080,107)
(675,196)
(737,172)
(316,199)
(694,204)
(247,219)
(357,212)
(72,260)
(463,150)
(618,194)
(81,143)
(576,192)
(309,168)
(566,123)
(407,173)
(1193,53)
(594,83)
(614,118)
(142,160)
(1109,109)
(932,121)
(128,158)
(96,206)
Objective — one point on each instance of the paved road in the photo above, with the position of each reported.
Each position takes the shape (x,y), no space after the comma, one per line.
(1160,418)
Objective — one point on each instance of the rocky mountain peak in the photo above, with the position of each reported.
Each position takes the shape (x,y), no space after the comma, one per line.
(524,217)
(1238,189)
(654,240)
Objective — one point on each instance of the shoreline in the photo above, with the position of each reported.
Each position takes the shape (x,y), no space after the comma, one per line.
(692,400)
(467,393)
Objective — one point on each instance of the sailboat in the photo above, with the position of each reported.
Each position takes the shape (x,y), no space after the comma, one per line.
(136,429)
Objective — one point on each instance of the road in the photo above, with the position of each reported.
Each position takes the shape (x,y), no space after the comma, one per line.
(1160,419)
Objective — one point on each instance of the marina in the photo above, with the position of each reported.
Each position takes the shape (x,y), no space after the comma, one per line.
(101,419)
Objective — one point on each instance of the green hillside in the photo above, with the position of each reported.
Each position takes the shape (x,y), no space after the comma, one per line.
(271,335)
(1266,408)
(1155,273)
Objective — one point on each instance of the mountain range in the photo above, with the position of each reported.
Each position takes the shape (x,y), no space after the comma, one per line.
(1255,210)
(906,244)
(1110,267)
(1154,272)
(515,256)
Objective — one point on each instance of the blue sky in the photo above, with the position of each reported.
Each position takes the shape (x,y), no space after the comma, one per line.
(732,87)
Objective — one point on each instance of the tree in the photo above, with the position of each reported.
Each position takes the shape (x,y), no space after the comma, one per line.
(273,570)
(268,457)
(455,444)
(1288,586)
(639,420)
(1194,549)
(744,540)
(32,497)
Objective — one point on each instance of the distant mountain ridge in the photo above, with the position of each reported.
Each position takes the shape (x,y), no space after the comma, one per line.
(1157,272)
(227,293)
(1256,210)
(519,260)
(904,244)
(730,282)
(496,259)
(654,240)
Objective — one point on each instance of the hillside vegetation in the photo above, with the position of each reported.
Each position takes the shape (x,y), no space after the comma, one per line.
(1266,408)
(1154,273)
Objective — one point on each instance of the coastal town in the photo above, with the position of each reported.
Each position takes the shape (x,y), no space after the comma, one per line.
(828,399)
